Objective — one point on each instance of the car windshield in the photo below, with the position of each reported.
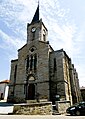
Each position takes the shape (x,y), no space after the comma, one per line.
(78,104)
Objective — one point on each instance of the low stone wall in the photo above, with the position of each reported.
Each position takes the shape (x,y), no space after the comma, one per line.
(42,108)
(62,106)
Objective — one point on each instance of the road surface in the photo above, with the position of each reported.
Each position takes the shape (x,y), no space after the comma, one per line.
(40,117)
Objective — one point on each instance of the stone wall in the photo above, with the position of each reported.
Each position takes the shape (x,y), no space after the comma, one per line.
(59,75)
(42,108)
(62,106)
(41,75)
(57,85)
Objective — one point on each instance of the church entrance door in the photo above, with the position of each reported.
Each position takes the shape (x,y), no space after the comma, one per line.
(31,92)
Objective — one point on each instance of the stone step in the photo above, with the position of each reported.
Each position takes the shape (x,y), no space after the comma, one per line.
(55,112)
(31,101)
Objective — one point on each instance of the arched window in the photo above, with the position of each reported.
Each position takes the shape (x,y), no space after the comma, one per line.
(35,61)
(27,61)
(31,62)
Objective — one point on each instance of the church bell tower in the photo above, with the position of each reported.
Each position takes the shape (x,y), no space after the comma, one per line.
(36,30)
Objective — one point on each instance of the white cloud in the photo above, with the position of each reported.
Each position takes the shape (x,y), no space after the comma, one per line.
(62,29)
(9,42)
(17,13)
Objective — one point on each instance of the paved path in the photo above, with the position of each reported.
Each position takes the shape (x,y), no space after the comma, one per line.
(6,108)
(40,117)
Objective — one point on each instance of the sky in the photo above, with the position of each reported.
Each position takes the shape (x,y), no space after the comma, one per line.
(64,19)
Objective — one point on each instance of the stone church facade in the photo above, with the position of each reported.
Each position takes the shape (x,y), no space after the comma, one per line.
(40,72)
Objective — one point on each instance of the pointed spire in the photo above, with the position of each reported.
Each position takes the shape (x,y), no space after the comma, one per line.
(36,16)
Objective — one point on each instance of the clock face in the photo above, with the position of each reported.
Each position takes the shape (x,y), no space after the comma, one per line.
(33,29)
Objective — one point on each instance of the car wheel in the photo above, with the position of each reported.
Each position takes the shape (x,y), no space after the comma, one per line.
(72,114)
(77,113)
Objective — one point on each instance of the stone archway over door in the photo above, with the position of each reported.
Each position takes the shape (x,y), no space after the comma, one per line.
(31,92)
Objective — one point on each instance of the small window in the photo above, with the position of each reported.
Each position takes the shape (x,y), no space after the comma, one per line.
(32,50)
(54,64)
(44,37)
(15,73)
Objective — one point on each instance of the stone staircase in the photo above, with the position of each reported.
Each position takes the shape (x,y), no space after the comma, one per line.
(55,111)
